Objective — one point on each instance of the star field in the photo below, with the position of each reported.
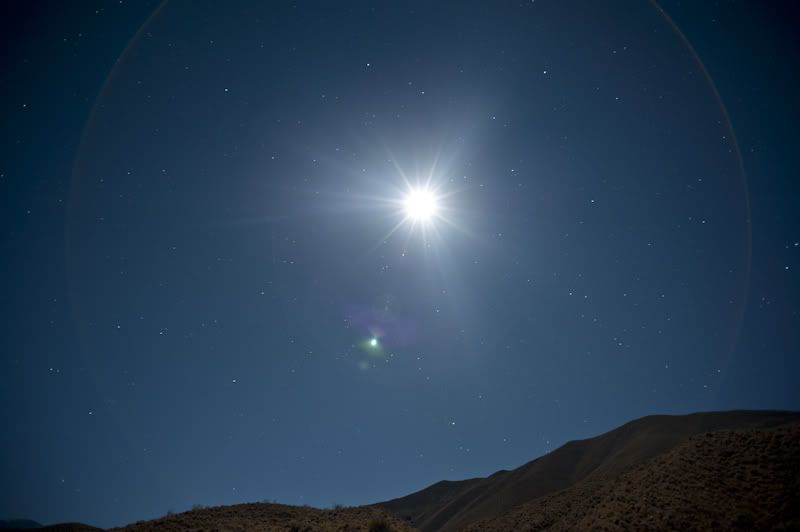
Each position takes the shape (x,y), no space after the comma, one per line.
(322,254)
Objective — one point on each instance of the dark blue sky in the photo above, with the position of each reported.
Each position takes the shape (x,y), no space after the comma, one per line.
(195,201)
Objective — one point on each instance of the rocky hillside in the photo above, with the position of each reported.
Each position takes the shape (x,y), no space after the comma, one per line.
(701,472)
(745,480)
(451,506)
(274,517)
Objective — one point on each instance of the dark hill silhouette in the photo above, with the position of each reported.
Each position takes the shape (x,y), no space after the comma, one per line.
(18,524)
(70,527)
(450,506)
(275,517)
(27,524)
(735,470)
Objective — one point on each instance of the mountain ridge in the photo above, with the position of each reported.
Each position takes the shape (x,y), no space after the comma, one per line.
(741,479)
(456,505)
(733,470)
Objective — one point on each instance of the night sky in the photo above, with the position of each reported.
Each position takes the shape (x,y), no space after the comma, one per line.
(213,290)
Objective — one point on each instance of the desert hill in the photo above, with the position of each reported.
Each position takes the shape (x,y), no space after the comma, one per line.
(274,517)
(18,524)
(450,506)
(744,480)
(735,470)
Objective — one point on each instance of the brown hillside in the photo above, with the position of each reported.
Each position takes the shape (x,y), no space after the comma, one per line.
(274,517)
(726,480)
(456,505)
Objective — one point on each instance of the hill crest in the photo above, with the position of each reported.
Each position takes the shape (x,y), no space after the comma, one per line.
(455,506)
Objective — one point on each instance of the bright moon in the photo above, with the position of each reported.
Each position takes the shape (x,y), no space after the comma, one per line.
(420,205)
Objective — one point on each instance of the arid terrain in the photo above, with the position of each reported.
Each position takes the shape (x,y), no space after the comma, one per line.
(725,480)
(274,517)
(566,488)
(704,472)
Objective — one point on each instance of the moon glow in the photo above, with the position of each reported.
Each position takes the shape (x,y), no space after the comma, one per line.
(421,205)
